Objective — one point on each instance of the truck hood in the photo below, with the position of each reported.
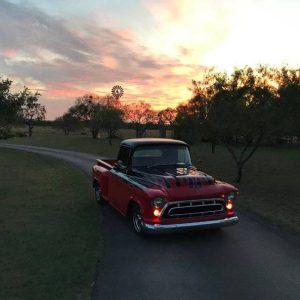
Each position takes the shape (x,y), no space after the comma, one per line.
(178,183)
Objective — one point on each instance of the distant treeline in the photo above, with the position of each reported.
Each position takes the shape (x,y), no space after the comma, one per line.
(241,110)
(18,108)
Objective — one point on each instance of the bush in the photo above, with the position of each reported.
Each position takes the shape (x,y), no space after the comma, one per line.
(5,133)
(20,134)
(5,136)
(191,135)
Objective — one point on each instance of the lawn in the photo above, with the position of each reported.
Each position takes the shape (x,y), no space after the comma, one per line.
(80,141)
(269,186)
(50,229)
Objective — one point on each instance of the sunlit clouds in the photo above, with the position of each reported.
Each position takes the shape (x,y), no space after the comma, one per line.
(227,33)
(152,48)
(261,32)
(188,29)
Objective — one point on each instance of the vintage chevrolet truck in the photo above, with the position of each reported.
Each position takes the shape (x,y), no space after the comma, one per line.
(154,183)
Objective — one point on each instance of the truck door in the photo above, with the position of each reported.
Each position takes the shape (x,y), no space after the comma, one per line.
(118,188)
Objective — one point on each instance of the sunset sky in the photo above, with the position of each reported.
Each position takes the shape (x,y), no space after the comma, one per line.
(152,48)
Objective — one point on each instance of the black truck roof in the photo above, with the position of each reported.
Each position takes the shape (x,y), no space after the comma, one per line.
(133,143)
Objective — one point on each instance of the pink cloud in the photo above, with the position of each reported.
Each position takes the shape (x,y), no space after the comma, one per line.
(9,52)
(64,89)
(127,34)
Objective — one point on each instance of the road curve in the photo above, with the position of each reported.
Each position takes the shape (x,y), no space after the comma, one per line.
(246,261)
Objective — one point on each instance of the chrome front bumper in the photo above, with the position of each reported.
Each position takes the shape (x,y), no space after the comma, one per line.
(161,228)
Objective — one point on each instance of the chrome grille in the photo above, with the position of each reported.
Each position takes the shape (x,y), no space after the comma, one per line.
(194,208)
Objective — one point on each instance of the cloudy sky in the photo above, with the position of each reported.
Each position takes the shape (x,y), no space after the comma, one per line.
(67,48)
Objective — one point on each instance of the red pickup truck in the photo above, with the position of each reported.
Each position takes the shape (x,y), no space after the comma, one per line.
(154,183)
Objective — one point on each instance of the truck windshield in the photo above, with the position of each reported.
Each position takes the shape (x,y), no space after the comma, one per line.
(161,155)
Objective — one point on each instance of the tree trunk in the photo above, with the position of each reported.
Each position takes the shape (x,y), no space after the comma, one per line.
(143,132)
(213,146)
(244,156)
(139,132)
(109,135)
(163,131)
(239,172)
(95,133)
(30,130)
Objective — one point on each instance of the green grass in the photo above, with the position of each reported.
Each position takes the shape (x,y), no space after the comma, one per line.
(269,186)
(50,229)
(80,141)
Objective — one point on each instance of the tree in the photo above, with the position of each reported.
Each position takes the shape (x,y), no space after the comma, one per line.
(87,109)
(242,110)
(67,122)
(32,110)
(10,107)
(165,118)
(200,104)
(110,101)
(112,120)
(112,116)
(141,115)
(288,108)
(186,125)
(237,110)
(194,115)
(98,113)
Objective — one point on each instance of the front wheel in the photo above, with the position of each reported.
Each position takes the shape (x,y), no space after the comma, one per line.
(137,221)
(98,195)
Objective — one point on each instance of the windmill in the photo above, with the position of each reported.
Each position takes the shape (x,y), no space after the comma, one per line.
(117,91)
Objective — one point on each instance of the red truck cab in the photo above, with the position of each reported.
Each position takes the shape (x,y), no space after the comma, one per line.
(154,183)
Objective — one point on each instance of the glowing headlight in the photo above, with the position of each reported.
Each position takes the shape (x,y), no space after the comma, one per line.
(229,205)
(231,196)
(158,202)
(156,212)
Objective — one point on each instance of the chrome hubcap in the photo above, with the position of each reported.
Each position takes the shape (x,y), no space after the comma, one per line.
(137,221)
(98,194)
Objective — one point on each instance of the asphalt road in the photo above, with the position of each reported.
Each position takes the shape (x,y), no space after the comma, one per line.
(246,261)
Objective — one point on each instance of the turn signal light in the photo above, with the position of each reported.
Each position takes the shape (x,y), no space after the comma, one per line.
(229,205)
(156,212)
